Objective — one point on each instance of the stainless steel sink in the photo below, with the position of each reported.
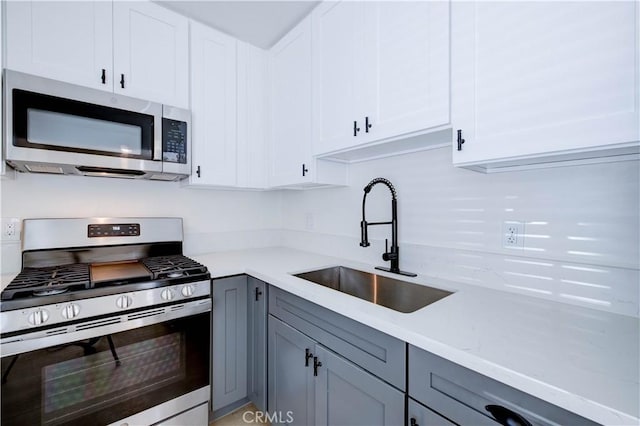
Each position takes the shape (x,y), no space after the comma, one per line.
(398,295)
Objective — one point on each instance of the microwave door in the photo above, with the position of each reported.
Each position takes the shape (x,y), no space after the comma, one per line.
(56,127)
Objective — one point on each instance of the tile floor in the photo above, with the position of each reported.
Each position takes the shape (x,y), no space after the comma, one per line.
(239,418)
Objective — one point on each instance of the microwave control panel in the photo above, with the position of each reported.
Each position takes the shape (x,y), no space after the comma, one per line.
(174,141)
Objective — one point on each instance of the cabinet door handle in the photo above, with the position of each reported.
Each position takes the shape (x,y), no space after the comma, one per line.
(506,417)
(460,140)
(198,171)
(307,355)
(304,170)
(122,80)
(356,129)
(413,422)
(258,293)
(104,76)
(367,125)
(316,364)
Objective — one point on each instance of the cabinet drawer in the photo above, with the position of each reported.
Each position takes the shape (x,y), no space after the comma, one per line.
(376,352)
(465,397)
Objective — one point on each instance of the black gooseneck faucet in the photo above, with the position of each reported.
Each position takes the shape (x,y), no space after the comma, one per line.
(392,256)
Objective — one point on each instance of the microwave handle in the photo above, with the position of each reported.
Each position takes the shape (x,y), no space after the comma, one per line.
(157,138)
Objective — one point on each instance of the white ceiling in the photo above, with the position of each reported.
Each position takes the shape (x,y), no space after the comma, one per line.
(261,23)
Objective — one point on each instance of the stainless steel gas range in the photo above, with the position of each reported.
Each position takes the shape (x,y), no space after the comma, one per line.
(107,323)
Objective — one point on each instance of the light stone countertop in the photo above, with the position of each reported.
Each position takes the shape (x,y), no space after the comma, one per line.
(583,360)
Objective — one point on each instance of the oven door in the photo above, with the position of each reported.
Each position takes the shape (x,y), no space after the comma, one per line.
(99,374)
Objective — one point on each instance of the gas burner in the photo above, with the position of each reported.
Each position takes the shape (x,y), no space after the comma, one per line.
(176,274)
(173,266)
(50,292)
(44,281)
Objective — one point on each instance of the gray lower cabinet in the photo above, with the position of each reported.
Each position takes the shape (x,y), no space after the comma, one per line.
(257,342)
(291,384)
(346,395)
(229,342)
(468,398)
(313,383)
(419,415)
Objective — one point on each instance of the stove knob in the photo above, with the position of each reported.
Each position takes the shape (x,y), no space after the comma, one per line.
(123,302)
(37,317)
(167,294)
(70,311)
(187,290)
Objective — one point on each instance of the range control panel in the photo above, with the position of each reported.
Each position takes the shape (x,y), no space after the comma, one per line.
(113,230)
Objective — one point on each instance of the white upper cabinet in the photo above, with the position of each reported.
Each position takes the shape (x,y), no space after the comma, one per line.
(410,83)
(338,79)
(536,82)
(381,73)
(151,53)
(253,113)
(213,107)
(291,107)
(291,162)
(103,45)
(66,41)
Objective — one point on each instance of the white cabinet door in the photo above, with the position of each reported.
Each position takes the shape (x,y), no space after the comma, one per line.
(381,72)
(253,131)
(290,65)
(407,68)
(535,78)
(151,53)
(66,41)
(337,87)
(213,107)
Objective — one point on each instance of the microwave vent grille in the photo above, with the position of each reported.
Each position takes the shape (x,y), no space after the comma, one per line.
(44,168)
(164,177)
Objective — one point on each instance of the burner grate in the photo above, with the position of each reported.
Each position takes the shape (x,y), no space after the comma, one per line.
(48,280)
(173,266)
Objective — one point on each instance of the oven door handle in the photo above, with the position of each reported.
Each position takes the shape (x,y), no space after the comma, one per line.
(100,327)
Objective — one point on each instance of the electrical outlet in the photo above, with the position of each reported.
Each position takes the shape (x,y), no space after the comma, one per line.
(512,234)
(11,229)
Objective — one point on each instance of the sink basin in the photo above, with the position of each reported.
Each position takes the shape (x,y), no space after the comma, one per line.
(398,295)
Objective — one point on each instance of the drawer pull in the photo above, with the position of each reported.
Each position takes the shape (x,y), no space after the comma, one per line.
(307,355)
(506,417)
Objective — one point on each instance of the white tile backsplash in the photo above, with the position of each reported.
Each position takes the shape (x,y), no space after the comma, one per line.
(582,223)
(582,230)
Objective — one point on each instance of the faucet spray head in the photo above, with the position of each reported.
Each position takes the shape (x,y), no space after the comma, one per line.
(364,238)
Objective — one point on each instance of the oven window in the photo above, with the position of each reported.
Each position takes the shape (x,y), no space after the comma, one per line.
(49,122)
(106,378)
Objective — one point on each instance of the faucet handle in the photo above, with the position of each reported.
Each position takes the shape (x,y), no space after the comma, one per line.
(385,255)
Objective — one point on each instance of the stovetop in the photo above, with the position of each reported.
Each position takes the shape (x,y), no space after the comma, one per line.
(74,278)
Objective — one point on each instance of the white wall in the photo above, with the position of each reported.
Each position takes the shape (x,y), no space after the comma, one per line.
(213,220)
(581,246)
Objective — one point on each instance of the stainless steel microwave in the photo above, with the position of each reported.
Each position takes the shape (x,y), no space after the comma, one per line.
(61,128)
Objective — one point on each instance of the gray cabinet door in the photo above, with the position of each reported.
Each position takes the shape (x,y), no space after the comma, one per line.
(291,386)
(257,343)
(229,340)
(347,395)
(419,415)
